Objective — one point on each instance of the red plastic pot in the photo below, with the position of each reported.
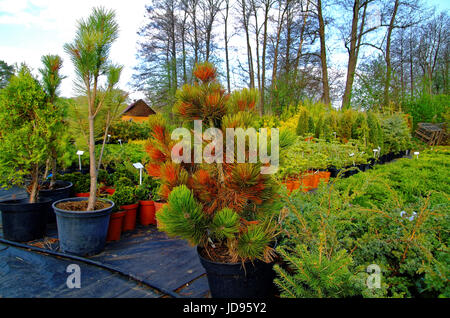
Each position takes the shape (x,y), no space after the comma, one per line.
(307,182)
(324,176)
(147,212)
(82,195)
(115,226)
(129,222)
(292,185)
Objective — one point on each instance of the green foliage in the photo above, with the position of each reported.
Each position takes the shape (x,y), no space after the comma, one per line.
(371,218)
(128,130)
(124,195)
(143,192)
(396,133)
(183,217)
(428,109)
(26,122)
(314,274)
(80,181)
(225,224)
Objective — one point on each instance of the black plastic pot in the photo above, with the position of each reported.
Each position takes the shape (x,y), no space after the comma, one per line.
(23,221)
(333,172)
(63,190)
(350,172)
(82,233)
(233,281)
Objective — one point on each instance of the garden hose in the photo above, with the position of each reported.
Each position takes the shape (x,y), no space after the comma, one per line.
(90,262)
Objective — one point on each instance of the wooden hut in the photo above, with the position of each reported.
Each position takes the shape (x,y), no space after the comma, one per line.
(137,112)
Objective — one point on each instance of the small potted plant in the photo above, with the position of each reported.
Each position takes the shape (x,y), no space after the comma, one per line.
(125,199)
(115,225)
(146,205)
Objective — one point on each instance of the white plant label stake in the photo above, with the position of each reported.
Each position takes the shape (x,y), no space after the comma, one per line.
(352,155)
(375,152)
(417,154)
(80,153)
(109,136)
(120,142)
(139,166)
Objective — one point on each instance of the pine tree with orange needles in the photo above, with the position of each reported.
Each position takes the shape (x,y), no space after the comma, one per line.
(230,210)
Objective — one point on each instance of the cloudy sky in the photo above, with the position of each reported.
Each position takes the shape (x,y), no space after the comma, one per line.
(32,28)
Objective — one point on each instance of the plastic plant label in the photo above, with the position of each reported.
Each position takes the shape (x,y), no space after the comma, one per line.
(80,152)
(138,165)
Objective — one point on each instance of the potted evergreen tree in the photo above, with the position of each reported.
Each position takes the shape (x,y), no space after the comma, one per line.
(228,210)
(26,122)
(83,222)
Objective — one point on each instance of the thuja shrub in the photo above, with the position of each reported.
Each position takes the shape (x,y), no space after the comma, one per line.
(230,210)
(26,124)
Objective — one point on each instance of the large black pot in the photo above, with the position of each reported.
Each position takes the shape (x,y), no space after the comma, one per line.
(234,281)
(82,233)
(23,221)
(63,190)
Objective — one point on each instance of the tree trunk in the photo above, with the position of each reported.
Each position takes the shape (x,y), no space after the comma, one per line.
(263,66)
(249,48)
(227,59)
(277,45)
(92,166)
(34,184)
(323,56)
(352,58)
(387,83)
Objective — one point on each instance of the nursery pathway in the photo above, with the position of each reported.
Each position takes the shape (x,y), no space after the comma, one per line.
(144,263)
(164,266)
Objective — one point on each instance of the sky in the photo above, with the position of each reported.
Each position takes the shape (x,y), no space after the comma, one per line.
(30,29)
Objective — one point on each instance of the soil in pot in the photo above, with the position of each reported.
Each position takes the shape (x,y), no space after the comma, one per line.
(147,212)
(115,226)
(23,221)
(129,222)
(83,232)
(237,280)
(81,205)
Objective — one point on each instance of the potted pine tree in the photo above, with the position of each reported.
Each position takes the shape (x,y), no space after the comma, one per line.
(26,121)
(229,210)
(51,81)
(83,222)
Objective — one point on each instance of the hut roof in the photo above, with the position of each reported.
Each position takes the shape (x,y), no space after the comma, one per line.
(139,108)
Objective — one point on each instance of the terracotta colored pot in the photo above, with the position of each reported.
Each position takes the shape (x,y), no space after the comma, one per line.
(147,212)
(292,185)
(129,222)
(307,182)
(110,191)
(82,195)
(316,180)
(324,176)
(115,226)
